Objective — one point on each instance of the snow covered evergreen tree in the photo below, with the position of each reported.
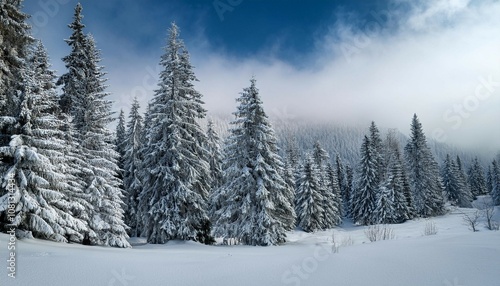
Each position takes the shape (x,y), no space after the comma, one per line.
(132,164)
(395,184)
(215,156)
(257,208)
(336,196)
(15,44)
(309,199)
(377,147)
(120,140)
(495,182)
(462,178)
(36,164)
(384,211)
(292,164)
(84,100)
(103,185)
(476,179)
(364,194)
(293,153)
(331,212)
(73,81)
(423,173)
(454,188)
(343,186)
(489,180)
(350,187)
(173,202)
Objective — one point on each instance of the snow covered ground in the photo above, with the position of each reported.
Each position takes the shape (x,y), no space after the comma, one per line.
(454,256)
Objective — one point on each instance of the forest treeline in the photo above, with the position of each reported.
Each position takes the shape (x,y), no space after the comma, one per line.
(162,175)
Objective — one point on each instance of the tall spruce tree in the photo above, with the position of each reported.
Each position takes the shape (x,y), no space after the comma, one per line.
(384,211)
(423,173)
(366,186)
(73,81)
(173,202)
(349,175)
(15,44)
(489,180)
(394,184)
(40,192)
(495,182)
(84,99)
(215,155)
(462,178)
(132,164)
(343,185)
(454,187)
(309,198)
(336,204)
(120,140)
(331,212)
(376,142)
(476,179)
(258,207)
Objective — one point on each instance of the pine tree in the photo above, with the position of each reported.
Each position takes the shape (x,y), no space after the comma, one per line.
(103,185)
(132,164)
(336,196)
(454,188)
(84,100)
(377,147)
(331,212)
(289,175)
(395,183)
(349,189)
(366,186)
(309,199)
(73,82)
(215,155)
(216,162)
(343,185)
(495,180)
(384,211)
(489,180)
(41,200)
(463,181)
(258,209)
(292,153)
(477,181)
(15,45)
(173,202)
(120,139)
(423,173)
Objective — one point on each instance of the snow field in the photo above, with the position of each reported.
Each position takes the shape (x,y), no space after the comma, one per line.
(454,256)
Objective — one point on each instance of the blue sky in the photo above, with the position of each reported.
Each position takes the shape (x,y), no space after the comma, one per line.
(344,61)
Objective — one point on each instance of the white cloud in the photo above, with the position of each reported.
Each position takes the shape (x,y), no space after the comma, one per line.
(430,62)
(427,57)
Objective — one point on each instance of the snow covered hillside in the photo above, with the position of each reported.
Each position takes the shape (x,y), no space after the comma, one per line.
(454,256)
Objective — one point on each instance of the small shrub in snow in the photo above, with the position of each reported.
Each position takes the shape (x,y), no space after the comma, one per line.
(430,228)
(488,211)
(472,220)
(347,241)
(340,242)
(379,232)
